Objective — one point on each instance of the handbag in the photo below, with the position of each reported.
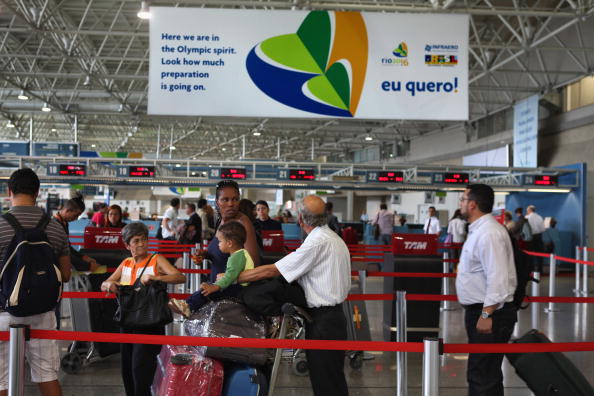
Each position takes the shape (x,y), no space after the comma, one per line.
(376,228)
(143,306)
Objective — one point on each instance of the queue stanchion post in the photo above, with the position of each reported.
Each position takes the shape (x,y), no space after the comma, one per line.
(186,265)
(431,350)
(552,282)
(401,363)
(585,272)
(16,359)
(363,281)
(445,283)
(278,355)
(535,305)
(578,268)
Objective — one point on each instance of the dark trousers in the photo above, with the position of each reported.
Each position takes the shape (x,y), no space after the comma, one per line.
(139,362)
(197,299)
(537,245)
(326,368)
(484,369)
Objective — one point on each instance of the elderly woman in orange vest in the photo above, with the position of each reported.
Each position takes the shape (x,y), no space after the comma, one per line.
(139,361)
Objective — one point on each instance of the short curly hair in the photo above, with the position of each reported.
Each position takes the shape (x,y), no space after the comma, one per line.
(133,229)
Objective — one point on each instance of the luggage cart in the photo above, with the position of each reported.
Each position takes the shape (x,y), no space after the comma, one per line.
(88,315)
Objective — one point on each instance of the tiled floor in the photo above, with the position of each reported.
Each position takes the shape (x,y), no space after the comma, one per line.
(573,322)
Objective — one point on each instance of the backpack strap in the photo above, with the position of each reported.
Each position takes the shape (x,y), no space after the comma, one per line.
(43,222)
(10,219)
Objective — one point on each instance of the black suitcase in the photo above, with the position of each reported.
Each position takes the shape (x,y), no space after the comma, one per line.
(548,373)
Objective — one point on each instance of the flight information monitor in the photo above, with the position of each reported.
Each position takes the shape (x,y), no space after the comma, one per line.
(541,180)
(385,176)
(66,170)
(141,171)
(301,174)
(451,178)
(233,173)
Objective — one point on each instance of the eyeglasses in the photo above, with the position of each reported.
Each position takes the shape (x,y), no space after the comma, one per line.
(465,199)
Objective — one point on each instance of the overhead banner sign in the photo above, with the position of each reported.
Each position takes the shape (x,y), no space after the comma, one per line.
(258,63)
(526,133)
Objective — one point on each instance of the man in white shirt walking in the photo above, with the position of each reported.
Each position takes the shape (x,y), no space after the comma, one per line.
(537,226)
(321,265)
(432,225)
(485,285)
(169,221)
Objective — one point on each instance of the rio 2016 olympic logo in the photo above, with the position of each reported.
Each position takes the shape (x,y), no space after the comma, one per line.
(319,69)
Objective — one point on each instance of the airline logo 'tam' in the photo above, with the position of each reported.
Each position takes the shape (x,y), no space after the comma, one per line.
(106,239)
(415,245)
(266,241)
(319,69)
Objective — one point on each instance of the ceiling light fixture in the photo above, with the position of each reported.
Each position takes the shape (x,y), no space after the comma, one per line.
(46,108)
(256,133)
(23,95)
(224,149)
(9,124)
(368,138)
(178,165)
(93,145)
(87,81)
(144,12)
(171,147)
(53,129)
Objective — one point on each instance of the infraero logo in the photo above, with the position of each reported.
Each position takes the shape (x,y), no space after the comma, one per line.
(319,69)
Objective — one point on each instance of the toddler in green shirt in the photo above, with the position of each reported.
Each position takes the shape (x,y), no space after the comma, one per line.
(232,237)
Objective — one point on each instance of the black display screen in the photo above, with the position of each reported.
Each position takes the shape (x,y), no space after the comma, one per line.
(72,170)
(456,178)
(301,174)
(233,173)
(390,176)
(141,171)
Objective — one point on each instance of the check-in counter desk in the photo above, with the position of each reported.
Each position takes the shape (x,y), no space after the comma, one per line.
(413,253)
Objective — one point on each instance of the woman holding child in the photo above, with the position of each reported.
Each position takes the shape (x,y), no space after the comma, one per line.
(227,204)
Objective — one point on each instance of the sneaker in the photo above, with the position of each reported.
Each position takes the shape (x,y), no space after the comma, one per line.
(179,306)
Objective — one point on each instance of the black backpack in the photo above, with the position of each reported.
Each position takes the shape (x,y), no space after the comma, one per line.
(523,273)
(30,280)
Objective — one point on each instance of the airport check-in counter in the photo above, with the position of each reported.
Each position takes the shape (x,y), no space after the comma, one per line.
(413,253)
(273,246)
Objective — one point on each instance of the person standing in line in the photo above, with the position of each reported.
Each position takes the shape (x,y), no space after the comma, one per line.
(98,218)
(485,285)
(508,221)
(432,225)
(43,356)
(139,361)
(333,220)
(457,229)
(385,220)
(191,230)
(207,230)
(266,223)
(169,221)
(537,226)
(322,267)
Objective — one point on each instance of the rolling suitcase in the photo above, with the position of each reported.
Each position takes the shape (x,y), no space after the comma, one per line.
(181,371)
(548,373)
(244,380)
(355,313)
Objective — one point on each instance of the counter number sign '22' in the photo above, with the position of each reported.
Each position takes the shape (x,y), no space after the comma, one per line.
(319,69)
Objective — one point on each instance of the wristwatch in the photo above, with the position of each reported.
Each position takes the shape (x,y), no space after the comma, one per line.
(485,315)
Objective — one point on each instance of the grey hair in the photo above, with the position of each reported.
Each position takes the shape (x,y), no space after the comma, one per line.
(532,208)
(313,219)
(133,229)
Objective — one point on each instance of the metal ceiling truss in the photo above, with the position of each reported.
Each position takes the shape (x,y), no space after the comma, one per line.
(89,58)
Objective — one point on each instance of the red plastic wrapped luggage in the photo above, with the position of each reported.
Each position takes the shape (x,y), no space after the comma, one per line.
(181,371)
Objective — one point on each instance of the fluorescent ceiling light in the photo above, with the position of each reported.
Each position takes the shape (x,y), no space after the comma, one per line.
(501,193)
(144,12)
(550,190)
(224,149)
(93,145)
(46,108)
(257,133)
(23,95)
(171,147)
(178,165)
(368,138)
(9,124)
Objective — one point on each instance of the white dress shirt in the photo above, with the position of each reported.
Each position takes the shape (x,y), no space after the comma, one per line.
(432,226)
(322,266)
(487,272)
(536,223)
(170,214)
(457,228)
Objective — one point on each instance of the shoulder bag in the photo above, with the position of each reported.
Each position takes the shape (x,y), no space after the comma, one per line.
(143,306)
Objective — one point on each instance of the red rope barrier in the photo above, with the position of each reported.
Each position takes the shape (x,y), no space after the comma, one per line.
(535,254)
(519,348)
(406,274)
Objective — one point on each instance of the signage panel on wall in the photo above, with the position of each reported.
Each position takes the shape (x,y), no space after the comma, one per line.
(227,173)
(55,149)
(308,64)
(14,148)
(296,174)
(526,133)
(385,176)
